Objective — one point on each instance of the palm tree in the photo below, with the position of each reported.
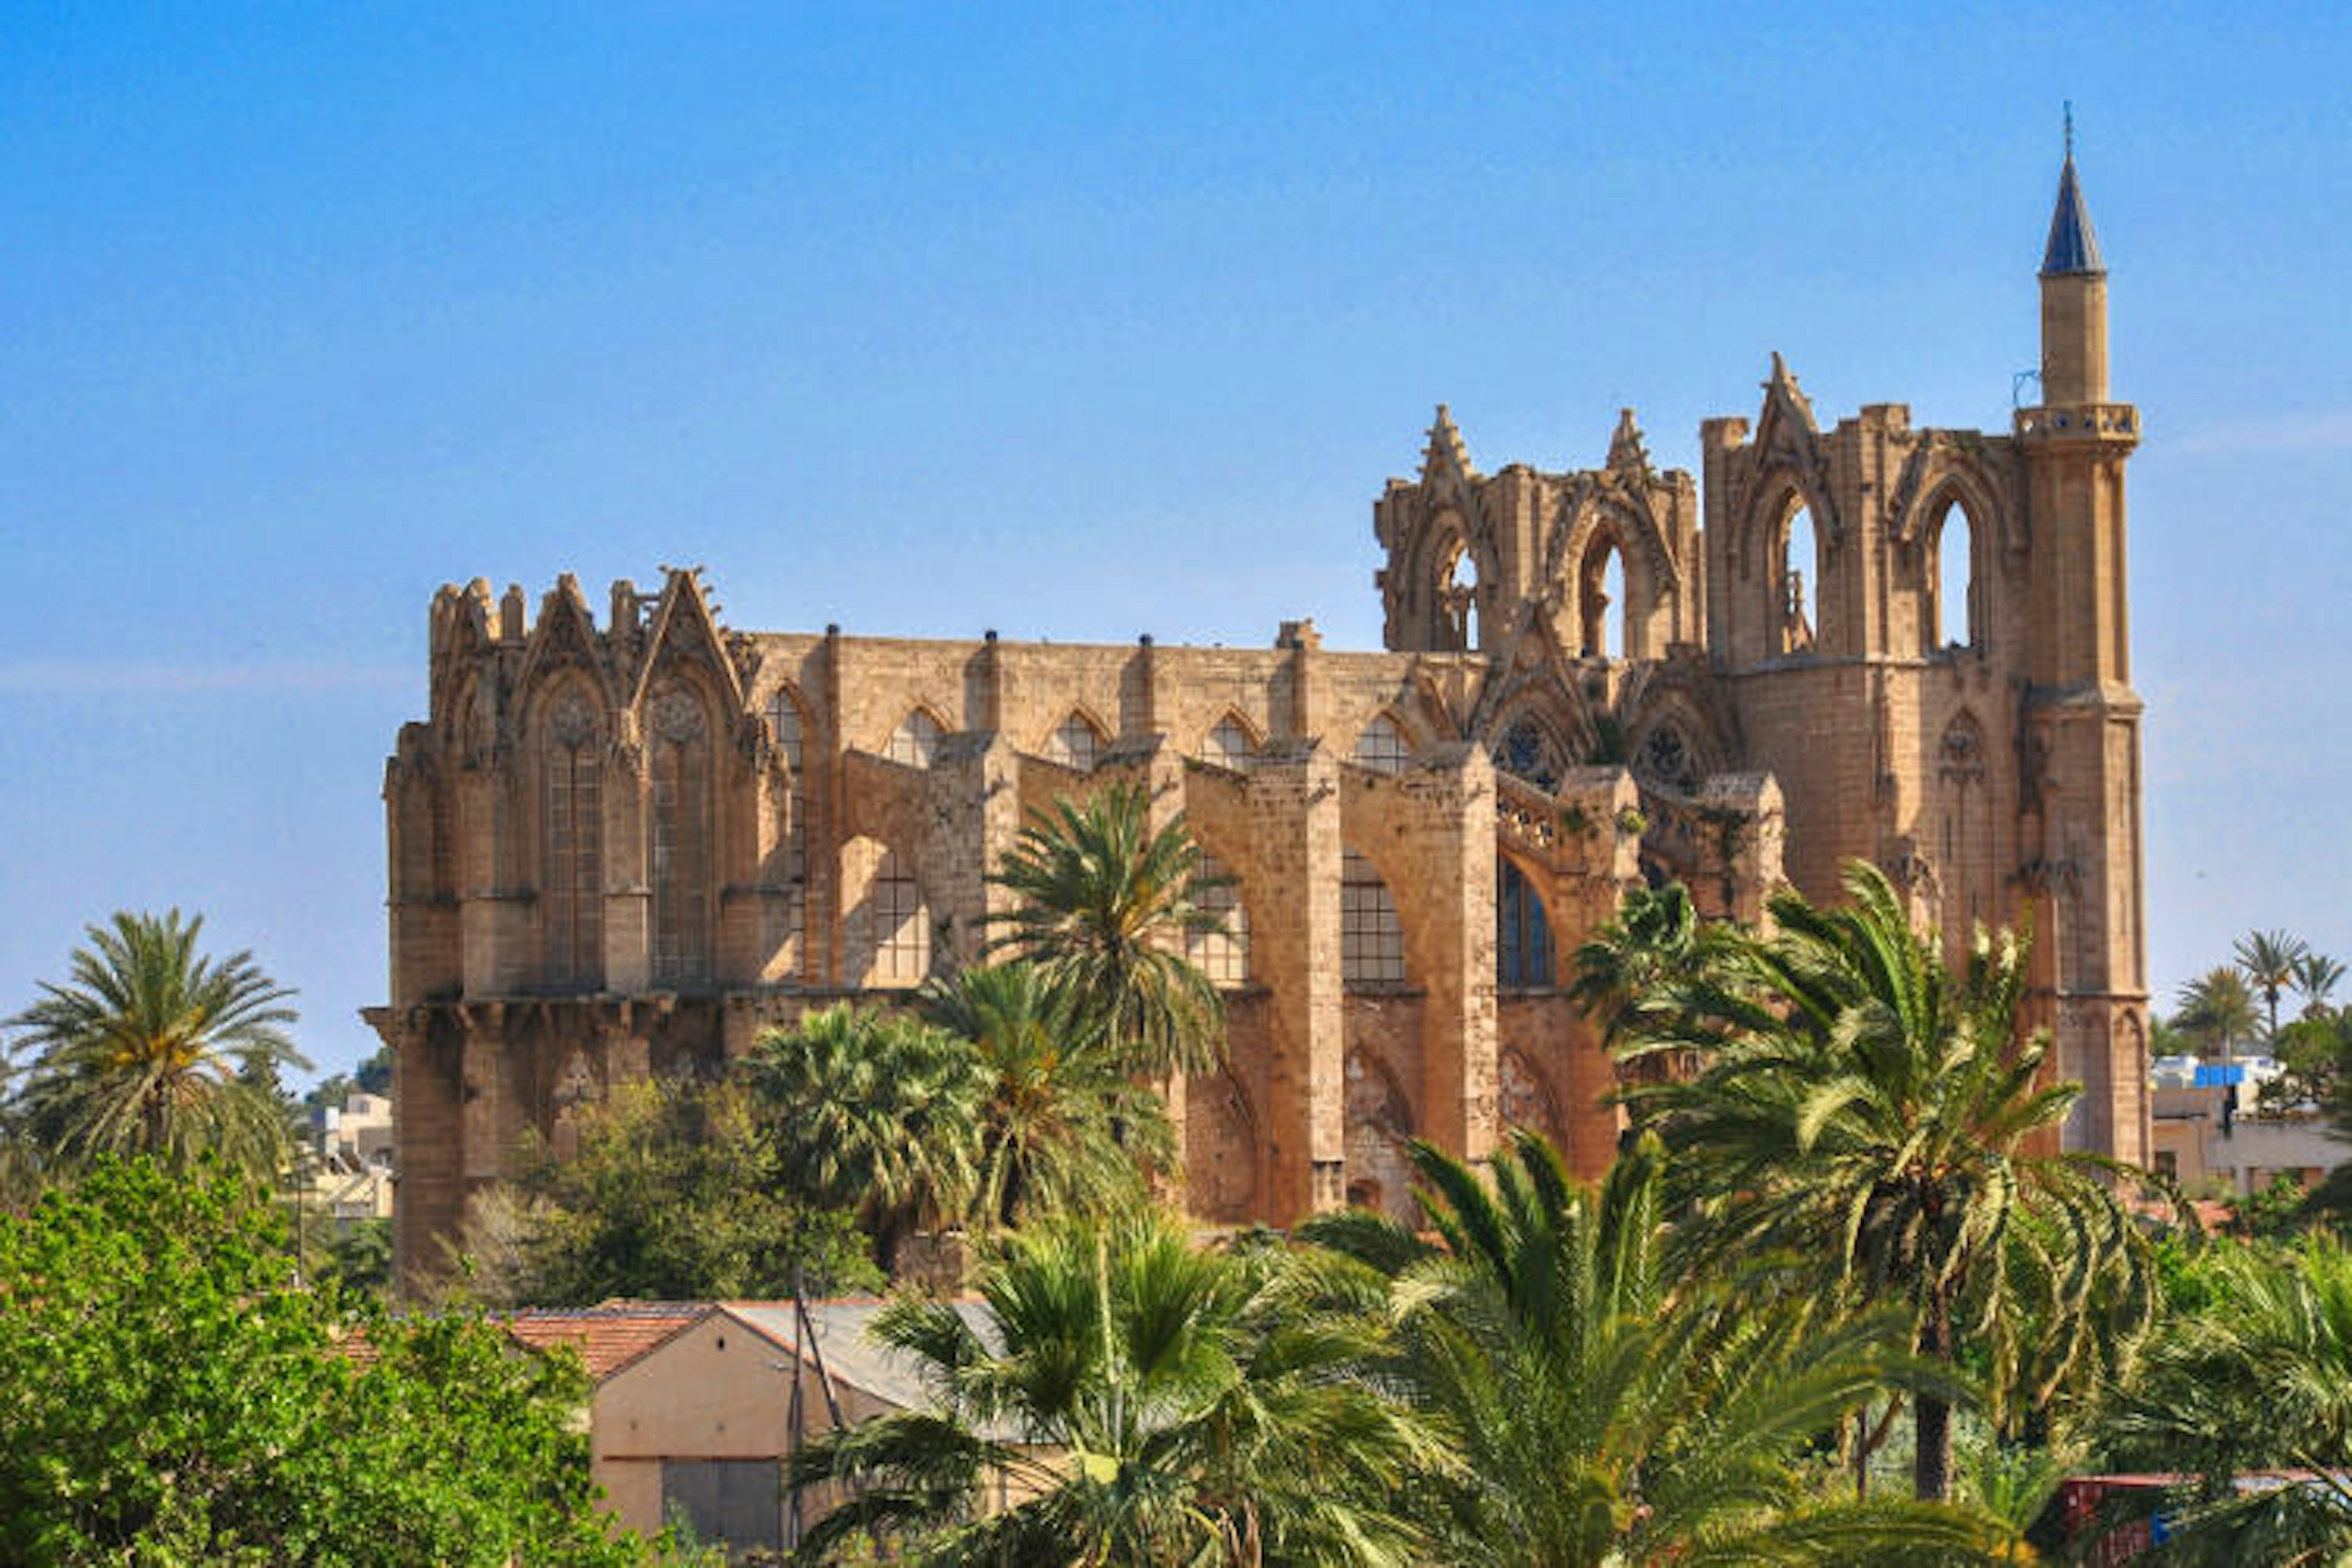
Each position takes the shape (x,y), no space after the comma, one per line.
(155,1049)
(1103,904)
(1865,1107)
(874,1112)
(1601,1409)
(2317,976)
(1061,1127)
(2217,1008)
(1638,960)
(2269,960)
(2259,1377)
(1144,1402)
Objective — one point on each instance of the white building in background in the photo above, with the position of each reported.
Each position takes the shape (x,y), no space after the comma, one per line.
(351,1181)
(2201,1137)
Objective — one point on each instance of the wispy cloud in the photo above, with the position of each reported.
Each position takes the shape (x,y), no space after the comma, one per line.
(2319,430)
(75,678)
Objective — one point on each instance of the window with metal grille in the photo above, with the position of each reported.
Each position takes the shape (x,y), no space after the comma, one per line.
(1382,746)
(1223,956)
(785,723)
(902,935)
(1522,934)
(573,891)
(1229,745)
(1075,743)
(1371,937)
(680,840)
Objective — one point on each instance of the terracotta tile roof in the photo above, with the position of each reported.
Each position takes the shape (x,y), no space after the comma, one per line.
(611,1334)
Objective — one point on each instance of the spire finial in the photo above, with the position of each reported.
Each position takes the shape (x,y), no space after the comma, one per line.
(2070,129)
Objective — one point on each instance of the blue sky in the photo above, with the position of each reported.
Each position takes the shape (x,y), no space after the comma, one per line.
(1075,322)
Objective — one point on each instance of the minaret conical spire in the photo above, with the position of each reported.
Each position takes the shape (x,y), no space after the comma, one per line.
(2073,247)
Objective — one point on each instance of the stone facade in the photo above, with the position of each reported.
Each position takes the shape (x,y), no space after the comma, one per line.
(626,846)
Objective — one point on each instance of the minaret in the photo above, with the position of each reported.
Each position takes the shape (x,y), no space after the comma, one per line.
(2076,443)
(2080,823)
(2073,297)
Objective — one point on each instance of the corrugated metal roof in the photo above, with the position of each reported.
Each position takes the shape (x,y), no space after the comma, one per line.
(851,1356)
(2073,247)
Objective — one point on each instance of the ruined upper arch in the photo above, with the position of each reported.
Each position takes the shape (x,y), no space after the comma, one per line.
(1596,528)
(1450,577)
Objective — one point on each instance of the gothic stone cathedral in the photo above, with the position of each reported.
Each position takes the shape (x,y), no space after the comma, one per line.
(626,847)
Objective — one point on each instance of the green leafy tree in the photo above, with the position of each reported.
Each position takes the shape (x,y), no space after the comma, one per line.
(329,1093)
(2257,1375)
(875,1112)
(2316,1057)
(2269,960)
(1141,1400)
(374,1076)
(153,1047)
(2313,1052)
(674,1195)
(2217,1010)
(1601,1409)
(171,1396)
(1062,1127)
(361,1256)
(1863,1106)
(1103,903)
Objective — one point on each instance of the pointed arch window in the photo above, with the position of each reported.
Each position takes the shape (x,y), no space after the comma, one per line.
(1601,599)
(1075,743)
(1223,956)
(1371,937)
(1229,746)
(573,891)
(1461,593)
(1382,747)
(679,732)
(915,741)
(1796,619)
(902,933)
(1522,930)
(784,724)
(1954,618)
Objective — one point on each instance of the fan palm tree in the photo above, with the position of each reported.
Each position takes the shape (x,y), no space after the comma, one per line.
(155,1049)
(2218,1009)
(1865,1107)
(1603,1410)
(2268,959)
(1144,1402)
(2258,1378)
(2316,975)
(1060,1126)
(874,1112)
(1103,903)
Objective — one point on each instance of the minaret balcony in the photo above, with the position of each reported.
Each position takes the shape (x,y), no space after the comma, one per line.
(2111,424)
